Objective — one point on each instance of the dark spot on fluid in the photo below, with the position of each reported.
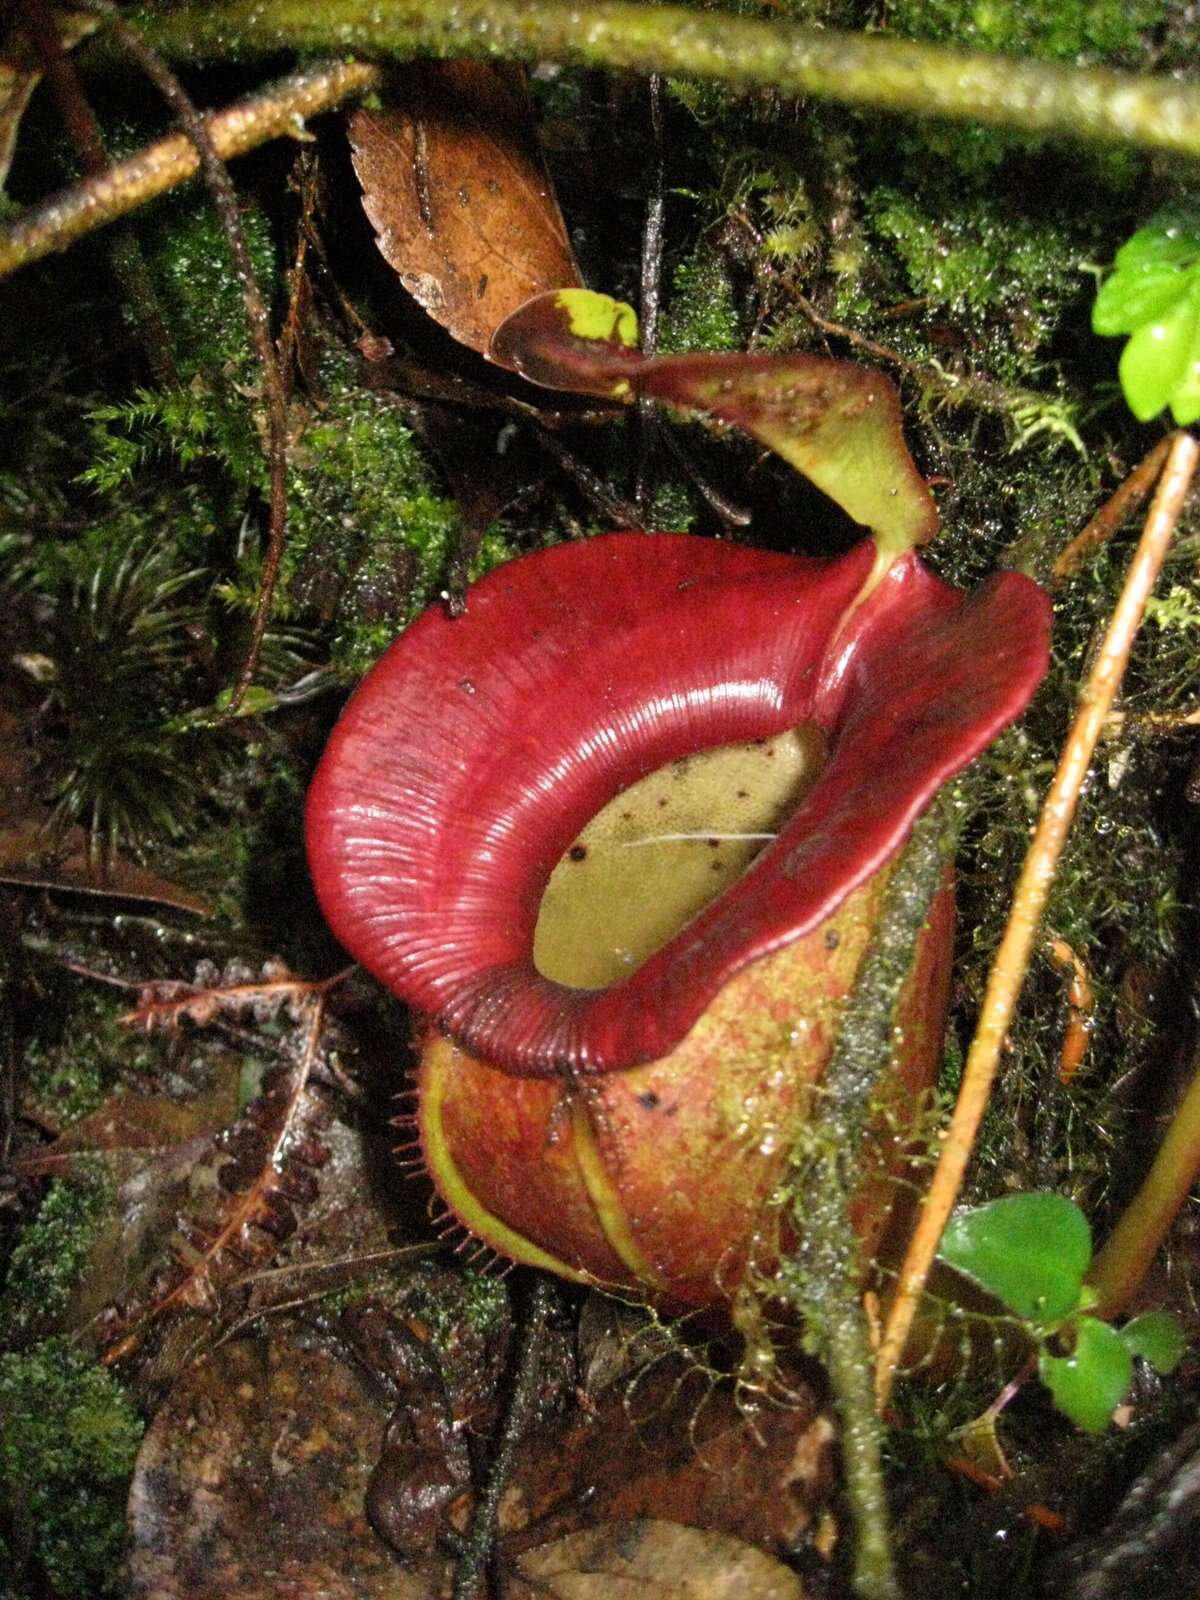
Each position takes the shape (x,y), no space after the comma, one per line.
(831,940)
(627,816)
(577,852)
(714,844)
(743,794)
(662,802)
(716,866)
(649,1100)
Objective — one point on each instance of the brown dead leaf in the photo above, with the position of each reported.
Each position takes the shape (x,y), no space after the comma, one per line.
(461,202)
(251,1482)
(30,856)
(650,1560)
(670,1446)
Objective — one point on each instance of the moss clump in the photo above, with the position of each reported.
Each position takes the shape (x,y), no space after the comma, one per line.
(79,1052)
(52,1251)
(1114,32)
(370,530)
(68,1440)
(975,257)
(702,314)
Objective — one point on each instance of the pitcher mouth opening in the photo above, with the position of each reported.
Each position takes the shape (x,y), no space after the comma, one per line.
(662,849)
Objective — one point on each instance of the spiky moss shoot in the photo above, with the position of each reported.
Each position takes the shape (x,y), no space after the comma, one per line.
(68,1441)
(52,1251)
(126,619)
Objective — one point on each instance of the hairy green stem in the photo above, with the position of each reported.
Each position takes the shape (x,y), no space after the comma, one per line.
(868,70)
(823,1278)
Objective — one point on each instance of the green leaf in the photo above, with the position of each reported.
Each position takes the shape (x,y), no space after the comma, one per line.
(1128,299)
(1154,296)
(1088,1384)
(1157,1337)
(1029,1250)
(1159,365)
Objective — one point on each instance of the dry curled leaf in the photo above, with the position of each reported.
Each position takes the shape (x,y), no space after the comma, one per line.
(462,205)
(238,993)
(650,1560)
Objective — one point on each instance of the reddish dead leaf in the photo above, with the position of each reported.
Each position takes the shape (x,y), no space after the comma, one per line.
(235,993)
(31,856)
(268,1174)
(251,1481)
(671,1447)
(653,1560)
(455,187)
(133,1123)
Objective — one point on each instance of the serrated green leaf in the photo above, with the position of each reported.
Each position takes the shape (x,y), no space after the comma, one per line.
(1087,1385)
(1157,1337)
(1029,1250)
(1159,358)
(1154,296)
(1172,236)
(1130,299)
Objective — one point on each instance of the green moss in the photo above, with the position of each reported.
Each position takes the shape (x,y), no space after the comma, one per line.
(976,256)
(702,313)
(79,1051)
(1115,32)
(371,530)
(68,1440)
(53,1250)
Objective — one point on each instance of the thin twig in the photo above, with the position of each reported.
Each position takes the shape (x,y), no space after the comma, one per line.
(278,111)
(124,251)
(746,52)
(477,1546)
(220,186)
(1033,887)
(1112,513)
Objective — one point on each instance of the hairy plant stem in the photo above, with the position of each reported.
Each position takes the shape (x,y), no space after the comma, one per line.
(278,111)
(1029,899)
(823,1278)
(867,70)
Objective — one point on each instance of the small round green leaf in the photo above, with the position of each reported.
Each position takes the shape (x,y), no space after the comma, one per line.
(1161,356)
(1154,296)
(1029,1250)
(1088,1384)
(1130,299)
(1157,1337)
